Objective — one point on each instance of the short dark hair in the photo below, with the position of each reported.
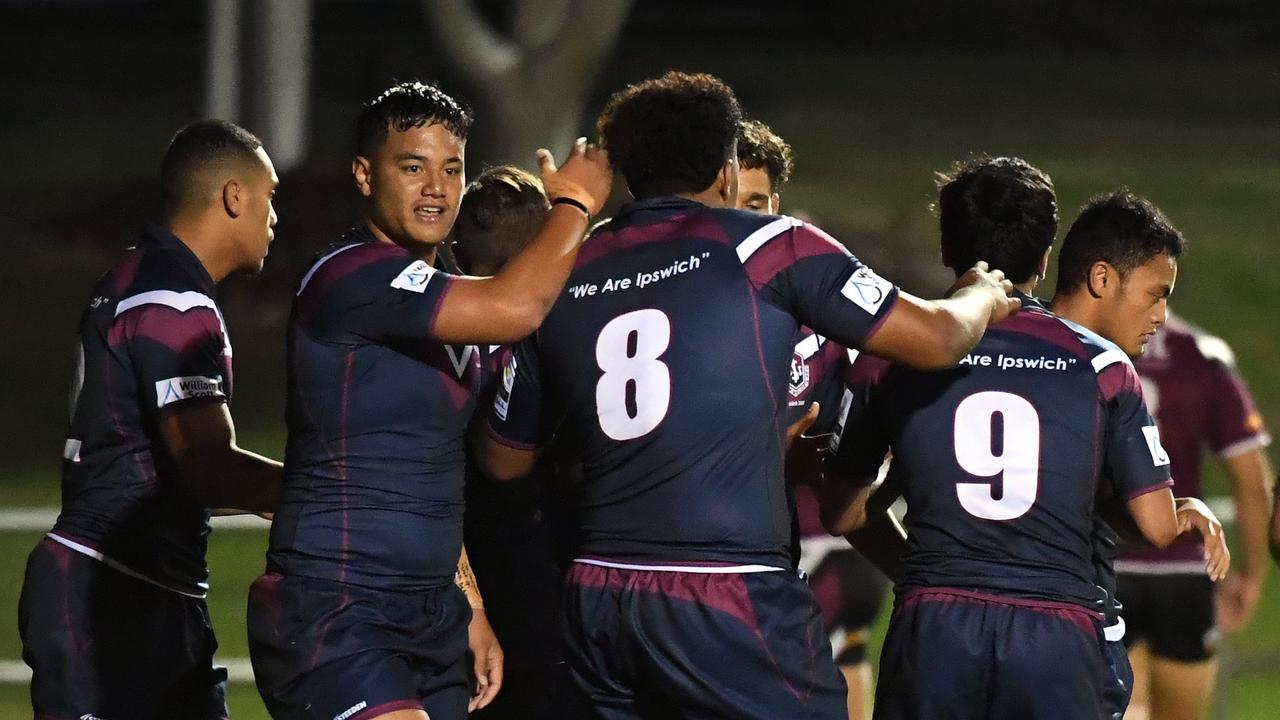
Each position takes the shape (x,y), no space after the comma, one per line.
(408,105)
(1002,210)
(501,211)
(671,134)
(195,150)
(760,147)
(1121,228)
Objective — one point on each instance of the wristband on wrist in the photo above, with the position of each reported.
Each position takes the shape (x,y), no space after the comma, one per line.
(575,203)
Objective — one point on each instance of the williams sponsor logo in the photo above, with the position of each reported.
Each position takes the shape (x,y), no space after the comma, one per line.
(190,386)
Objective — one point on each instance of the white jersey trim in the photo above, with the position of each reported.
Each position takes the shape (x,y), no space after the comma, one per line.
(1260,440)
(307,278)
(90,552)
(1155,567)
(809,346)
(708,570)
(180,301)
(757,239)
(1108,358)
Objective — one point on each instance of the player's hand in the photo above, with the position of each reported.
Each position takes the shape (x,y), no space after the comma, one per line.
(980,278)
(801,426)
(1195,516)
(486,656)
(585,175)
(1237,599)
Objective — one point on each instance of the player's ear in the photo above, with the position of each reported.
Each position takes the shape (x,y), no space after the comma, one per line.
(232,195)
(362,173)
(775,204)
(1043,270)
(727,182)
(1102,278)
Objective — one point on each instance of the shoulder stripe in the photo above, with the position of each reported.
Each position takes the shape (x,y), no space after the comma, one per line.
(307,278)
(180,301)
(1108,358)
(757,239)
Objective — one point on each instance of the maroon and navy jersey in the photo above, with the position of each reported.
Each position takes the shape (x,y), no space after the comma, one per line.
(666,358)
(377,411)
(1199,402)
(152,341)
(1000,458)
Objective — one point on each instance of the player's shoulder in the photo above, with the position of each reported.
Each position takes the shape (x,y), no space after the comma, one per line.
(1101,352)
(1189,342)
(353,255)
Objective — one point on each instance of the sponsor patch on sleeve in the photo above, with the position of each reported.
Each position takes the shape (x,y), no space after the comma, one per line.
(866,289)
(1158,455)
(414,278)
(174,389)
(502,401)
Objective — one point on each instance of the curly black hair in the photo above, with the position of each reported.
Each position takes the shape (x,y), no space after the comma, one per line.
(760,147)
(671,134)
(1002,210)
(406,105)
(1121,228)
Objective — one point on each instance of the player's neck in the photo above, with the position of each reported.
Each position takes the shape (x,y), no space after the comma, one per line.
(422,251)
(1079,308)
(710,197)
(213,253)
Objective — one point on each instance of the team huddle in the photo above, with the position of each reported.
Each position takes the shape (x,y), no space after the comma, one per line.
(638,436)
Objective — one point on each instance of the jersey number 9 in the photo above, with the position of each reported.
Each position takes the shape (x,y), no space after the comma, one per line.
(1018,461)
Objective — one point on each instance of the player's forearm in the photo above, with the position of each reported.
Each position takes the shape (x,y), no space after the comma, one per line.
(1155,515)
(465,579)
(238,479)
(1252,473)
(512,304)
(960,323)
(882,541)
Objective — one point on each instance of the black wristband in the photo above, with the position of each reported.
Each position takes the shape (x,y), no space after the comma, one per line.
(571,201)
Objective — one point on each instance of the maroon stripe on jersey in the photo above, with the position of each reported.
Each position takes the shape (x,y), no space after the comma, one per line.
(1149,489)
(685,225)
(503,440)
(343,264)
(1043,327)
(181,332)
(1116,378)
(1076,615)
(786,248)
(125,272)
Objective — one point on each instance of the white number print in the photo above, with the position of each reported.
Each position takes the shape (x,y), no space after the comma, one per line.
(1018,463)
(633,395)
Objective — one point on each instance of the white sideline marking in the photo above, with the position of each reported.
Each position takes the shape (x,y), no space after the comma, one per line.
(15,672)
(41,519)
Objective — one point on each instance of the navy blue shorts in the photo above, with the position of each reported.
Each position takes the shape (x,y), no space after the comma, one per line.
(661,644)
(850,591)
(322,649)
(957,654)
(101,643)
(1117,688)
(1175,615)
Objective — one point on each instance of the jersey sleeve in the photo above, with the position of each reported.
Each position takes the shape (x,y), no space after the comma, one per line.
(180,356)
(805,272)
(1132,454)
(519,415)
(860,439)
(398,301)
(1234,423)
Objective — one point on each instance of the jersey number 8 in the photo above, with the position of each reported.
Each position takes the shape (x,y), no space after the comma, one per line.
(633,395)
(1018,461)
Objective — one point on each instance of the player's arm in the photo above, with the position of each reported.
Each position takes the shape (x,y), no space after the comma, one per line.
(512,304)
(486,652)
(1155,517)
(882,541)
(1251,473)
(201,439)
(502,462)
(1275,528)
(518,422)
(936,334)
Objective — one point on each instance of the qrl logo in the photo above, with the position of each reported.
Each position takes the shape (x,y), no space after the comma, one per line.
(799,377)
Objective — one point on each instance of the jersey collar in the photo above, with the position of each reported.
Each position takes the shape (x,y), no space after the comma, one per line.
(159,237)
